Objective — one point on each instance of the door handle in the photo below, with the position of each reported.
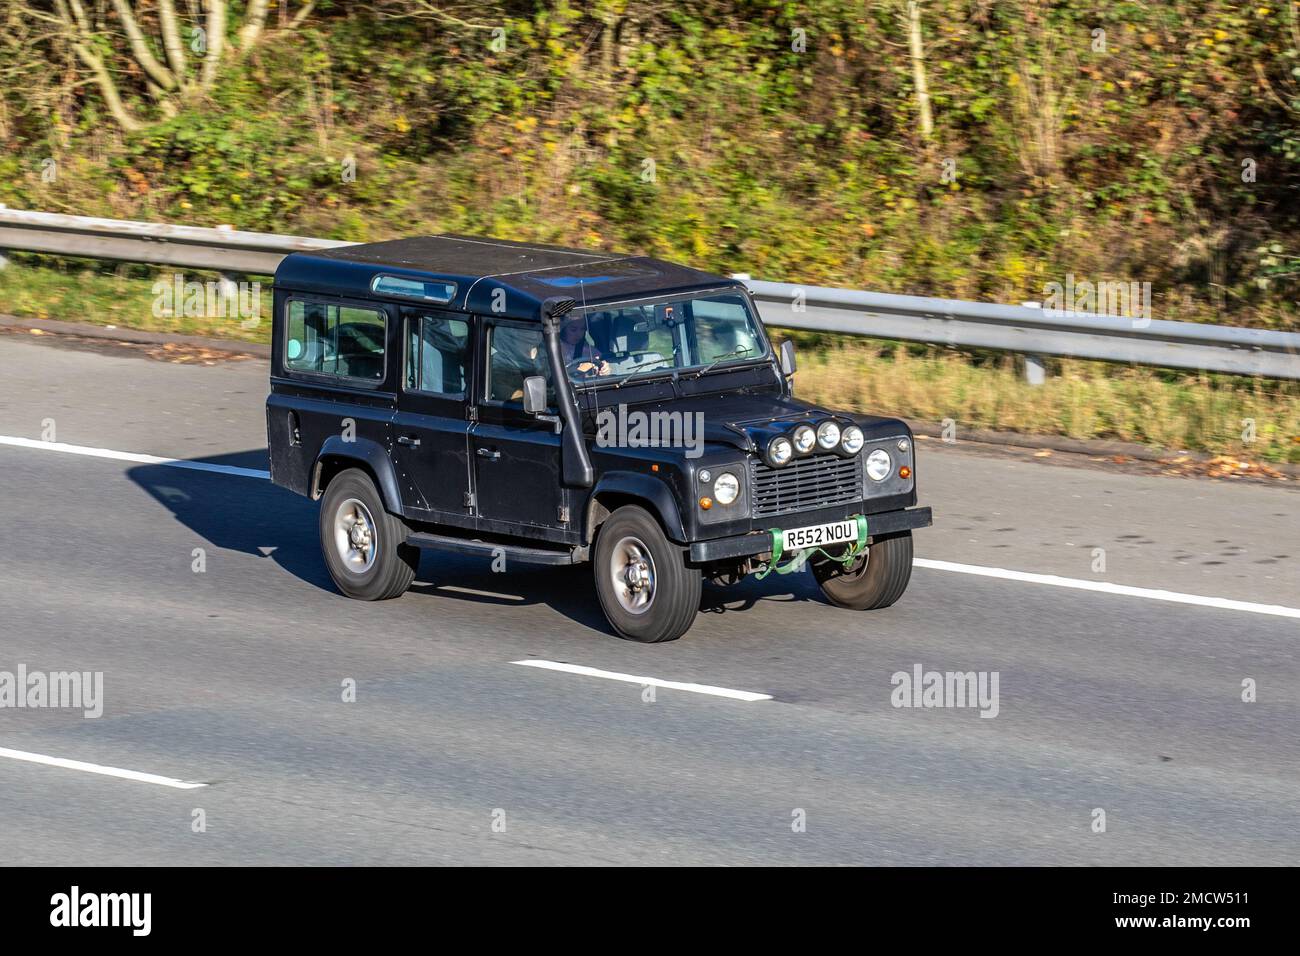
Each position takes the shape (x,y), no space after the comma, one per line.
(489,453)
(408,440)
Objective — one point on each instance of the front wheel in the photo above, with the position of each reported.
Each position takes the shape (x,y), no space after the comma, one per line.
(364,546)
(875,579)
(646,590)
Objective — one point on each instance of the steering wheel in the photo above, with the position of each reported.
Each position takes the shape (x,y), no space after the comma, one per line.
(584,367)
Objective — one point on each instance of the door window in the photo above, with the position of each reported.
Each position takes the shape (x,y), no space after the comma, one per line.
(515,353)
(437,354)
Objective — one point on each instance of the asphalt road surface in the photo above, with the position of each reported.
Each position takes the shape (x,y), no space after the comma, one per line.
(234,677)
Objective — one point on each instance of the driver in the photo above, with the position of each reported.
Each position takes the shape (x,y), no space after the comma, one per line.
(577,353)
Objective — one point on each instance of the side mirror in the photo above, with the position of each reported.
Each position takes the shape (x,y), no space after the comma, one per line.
(787,358)
(534,394)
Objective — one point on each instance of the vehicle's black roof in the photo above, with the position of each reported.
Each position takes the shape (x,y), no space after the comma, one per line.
(528,273)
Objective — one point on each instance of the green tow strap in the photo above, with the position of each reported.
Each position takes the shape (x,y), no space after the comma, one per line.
(800,558)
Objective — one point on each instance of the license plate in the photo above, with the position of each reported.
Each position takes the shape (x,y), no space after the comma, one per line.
(819,535)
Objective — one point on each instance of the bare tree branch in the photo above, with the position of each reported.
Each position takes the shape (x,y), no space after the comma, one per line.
(917,50)
(171,34)
(254,21)
(79,32)
(140,48)
(302,14)
(216,33)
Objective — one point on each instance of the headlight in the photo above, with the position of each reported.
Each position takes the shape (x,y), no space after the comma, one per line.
(852,440)
(828,435)
(779,450)
(726,489)
(879,465)
(804,438)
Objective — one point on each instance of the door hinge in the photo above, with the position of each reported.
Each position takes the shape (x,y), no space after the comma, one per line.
(470,500)
(564,514)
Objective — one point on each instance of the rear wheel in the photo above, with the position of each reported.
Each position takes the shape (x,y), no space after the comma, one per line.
(876,579)
(364,546)
(646,590)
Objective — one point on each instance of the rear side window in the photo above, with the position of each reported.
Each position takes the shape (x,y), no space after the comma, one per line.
(341,340)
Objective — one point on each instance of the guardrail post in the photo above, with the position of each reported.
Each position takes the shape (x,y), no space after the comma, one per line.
(1035,365)
(229,287)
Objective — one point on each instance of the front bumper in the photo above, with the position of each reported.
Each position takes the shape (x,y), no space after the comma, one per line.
(760,542)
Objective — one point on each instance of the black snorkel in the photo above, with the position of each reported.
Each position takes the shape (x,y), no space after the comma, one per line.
(574,461)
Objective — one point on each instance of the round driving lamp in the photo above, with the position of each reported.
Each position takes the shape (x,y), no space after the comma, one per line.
(879,465)
(779,451)
(828,435)
(851,441)
(804,438)
(726,489)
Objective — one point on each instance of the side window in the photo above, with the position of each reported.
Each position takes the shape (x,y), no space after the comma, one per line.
(437,354)
(514,354)
(335,340)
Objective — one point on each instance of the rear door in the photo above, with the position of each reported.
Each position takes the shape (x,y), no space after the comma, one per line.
(431,427)
(516,458)
(332,375)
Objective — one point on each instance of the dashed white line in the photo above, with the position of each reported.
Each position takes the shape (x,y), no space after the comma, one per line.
(133,457)
(1105,587)
(744,695)
(81,765)
(1028,577)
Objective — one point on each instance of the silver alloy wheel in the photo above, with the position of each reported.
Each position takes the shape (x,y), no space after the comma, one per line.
(355,537)
(632,573)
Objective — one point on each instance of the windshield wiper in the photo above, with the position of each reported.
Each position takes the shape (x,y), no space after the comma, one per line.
(649,368)
(722,358)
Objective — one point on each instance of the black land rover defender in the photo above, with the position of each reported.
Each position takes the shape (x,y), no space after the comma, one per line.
(532,404)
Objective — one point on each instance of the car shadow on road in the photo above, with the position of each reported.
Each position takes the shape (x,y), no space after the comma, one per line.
(253,516)
(743,596)
(239,513)
(566,590)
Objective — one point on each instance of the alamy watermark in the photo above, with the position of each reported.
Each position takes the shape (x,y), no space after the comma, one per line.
(1129,300)
(131,911)
(926,689)
(638,429)
(225,299)
(78,690)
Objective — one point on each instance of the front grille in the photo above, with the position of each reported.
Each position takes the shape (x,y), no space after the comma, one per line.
(804,484)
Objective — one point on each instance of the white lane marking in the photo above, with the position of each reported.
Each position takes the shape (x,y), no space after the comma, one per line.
(131,456)
(1029,577)
(97,768)
(653,681)
(1151,594)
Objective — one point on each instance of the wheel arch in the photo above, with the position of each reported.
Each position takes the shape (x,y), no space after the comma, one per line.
(616,489)
(336,456)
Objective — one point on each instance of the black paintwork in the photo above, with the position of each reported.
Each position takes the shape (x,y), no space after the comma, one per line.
(492,276)
(468,468)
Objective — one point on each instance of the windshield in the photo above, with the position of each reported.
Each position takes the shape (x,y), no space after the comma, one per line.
(615,343)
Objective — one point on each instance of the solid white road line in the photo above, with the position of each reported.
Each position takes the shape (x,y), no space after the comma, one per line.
(97,768)
(1028,577)
(1151,594)
(643,681)
(131,456)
